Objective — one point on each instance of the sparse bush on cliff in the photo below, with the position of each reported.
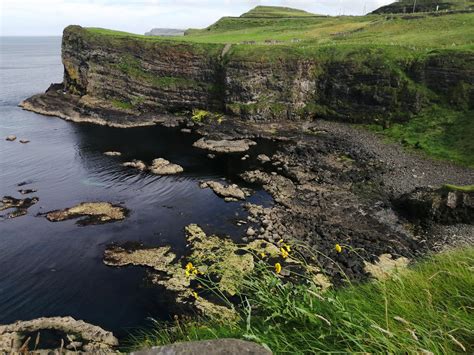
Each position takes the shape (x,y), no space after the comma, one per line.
(425,309)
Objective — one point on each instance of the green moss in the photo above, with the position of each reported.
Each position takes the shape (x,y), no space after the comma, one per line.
(122,104)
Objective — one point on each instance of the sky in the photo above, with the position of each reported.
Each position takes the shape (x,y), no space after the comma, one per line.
(49,17)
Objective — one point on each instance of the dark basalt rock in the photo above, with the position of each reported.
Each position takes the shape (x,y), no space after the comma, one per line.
(438,205)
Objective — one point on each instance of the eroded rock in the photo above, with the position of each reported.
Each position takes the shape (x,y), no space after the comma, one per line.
(233,191)
(224,145)
(136,164)
(84,336)
(10,138)
(162,166)
(112,153)
(20,205)
(93,213)
(24,141)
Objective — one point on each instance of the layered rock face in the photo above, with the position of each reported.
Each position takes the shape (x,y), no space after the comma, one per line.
(141,75)
(147,76)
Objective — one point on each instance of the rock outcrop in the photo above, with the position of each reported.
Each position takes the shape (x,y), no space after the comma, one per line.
(74,335)
(90,213)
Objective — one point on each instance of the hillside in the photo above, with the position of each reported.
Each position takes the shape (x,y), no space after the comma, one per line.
(410,6)
(275,12)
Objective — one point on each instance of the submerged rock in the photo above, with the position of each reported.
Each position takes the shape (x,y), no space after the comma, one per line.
(229,192)
(24,141)
(224,146)
(137,164)
(263,158)
(27,191)
(156,258)
(10,138)
(93,213)
(20,205)
(112,153)
(84,336)
(162,166)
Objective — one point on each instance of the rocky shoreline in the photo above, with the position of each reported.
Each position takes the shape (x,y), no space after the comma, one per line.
(340,201)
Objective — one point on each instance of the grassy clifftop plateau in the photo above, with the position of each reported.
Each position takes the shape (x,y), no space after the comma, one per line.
(410,74)
(410,6)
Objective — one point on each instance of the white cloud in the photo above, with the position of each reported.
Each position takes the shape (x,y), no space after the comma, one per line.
(49,17)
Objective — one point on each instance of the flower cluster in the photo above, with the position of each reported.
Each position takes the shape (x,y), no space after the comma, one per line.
(190,269)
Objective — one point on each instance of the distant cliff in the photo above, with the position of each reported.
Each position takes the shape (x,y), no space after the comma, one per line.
(166,32)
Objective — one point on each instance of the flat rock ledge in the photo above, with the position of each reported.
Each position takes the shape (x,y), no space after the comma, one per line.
(229,192)
(208,347)
(162,166)
(224,145)
(78,336)
(159,166)
(93,213)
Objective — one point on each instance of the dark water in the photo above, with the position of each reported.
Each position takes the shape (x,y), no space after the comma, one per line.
(56,269)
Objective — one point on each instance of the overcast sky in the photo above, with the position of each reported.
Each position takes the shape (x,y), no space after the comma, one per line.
(49,17)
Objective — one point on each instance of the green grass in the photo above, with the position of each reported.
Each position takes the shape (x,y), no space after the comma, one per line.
(466,188)
(440,132)
(428,307)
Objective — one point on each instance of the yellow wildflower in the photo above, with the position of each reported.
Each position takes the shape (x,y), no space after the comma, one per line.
(280,241)
(284,253)
(195,295)
(277,268)
(338,248)
(263,255)
(287,247)
(195,271)
(187,273)
(189,266)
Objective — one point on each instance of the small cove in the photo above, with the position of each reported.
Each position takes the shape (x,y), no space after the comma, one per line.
(56,269)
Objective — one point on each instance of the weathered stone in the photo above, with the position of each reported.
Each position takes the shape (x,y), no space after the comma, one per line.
(224,145)
(112,153)
(230,191)
(10,138)
(208,347)
(164,167)
(385,266)
(137,164)
(24,141)
(263,158)
(20,205)
(93,213)
(156,258)
(93,338)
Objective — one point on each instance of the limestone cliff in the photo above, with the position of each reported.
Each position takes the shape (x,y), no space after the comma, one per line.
(142,75)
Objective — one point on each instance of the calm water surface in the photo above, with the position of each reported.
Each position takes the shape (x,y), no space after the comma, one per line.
(56,269)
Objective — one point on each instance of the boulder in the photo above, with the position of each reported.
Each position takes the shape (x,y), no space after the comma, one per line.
(137,164)
(208,347)
(10,138)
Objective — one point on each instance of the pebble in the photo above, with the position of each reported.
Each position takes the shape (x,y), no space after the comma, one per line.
(250,232)
(24,141)
(11,138)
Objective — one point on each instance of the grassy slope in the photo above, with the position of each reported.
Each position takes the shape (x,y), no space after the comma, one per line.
(427,307)
(440,131)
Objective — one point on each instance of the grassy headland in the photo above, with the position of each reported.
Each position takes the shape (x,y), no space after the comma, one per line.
(425,308)
(400,44)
